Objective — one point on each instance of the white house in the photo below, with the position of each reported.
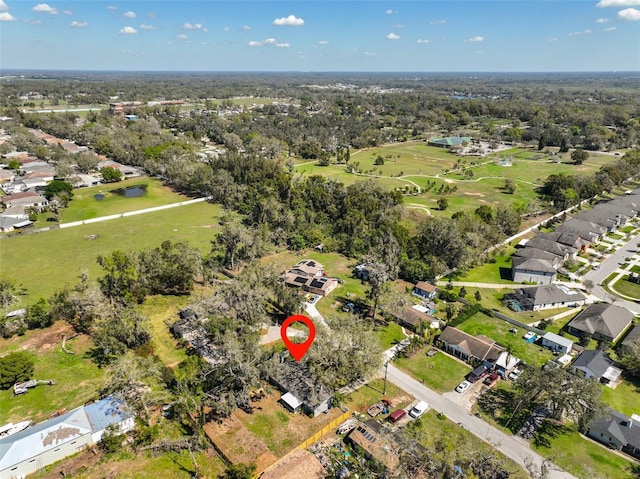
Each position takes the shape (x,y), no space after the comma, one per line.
(557,343)
(34,448)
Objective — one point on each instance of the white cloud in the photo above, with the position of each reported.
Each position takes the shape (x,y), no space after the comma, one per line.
(7,17)
(553,39)
(291,20)
(422,40)
(603,20)
(476,39)
(270,41)
(113,8)
(3,6)
(254,44)
(393,36)
(282,45)
(152,14)
(438,22)
(144,26)
(617,3)
(192,26)
(75,24)
(129,14)
(45,8)
(610,29)
(369,54)
(34,22)
(128,31)
(246,28)
(323,42)
(182,36)
(629,15)
(226,29)
(67,12)
(583,32)
(397,25)
(391,12)
(479,52)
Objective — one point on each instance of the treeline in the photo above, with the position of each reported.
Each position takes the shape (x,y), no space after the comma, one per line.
(567,190)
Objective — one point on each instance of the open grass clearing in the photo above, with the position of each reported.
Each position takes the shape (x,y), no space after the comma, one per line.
(498,272)
(626,287)
(389,335)
(77,378)
(625,397)
(583,458)
(440,372)
(34,260)
(84,206)
(500,331)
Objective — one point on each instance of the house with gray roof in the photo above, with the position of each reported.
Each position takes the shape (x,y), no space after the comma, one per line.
(584,229)
(549,296)
(601,321)
(610,221)
(469,348)
(596,364)
(533,270)
(557,343)
(300,389)
(618,431)
(632,337)
(553,247)
(34,448)
(568,239)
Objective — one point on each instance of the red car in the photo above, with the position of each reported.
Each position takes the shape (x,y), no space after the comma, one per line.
(397,415)
(491,379)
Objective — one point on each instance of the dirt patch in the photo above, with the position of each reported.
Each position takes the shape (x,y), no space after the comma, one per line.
(469,193)
(39,340)
(77,463)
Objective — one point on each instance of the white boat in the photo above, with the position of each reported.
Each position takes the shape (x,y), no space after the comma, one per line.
(10,428)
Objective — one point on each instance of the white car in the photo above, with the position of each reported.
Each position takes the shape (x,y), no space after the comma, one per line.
(528,335)
(463,386)
(514,375)
(419,409)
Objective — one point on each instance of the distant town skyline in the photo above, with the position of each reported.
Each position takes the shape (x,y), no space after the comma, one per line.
(319,36)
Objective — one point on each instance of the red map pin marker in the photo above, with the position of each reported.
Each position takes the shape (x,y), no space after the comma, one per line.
(297,350)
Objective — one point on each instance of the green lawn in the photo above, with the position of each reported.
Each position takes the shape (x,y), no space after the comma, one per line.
(440,372)
(85,206)
(584,459)
(389,334)
(625,397)
(77,379)
(496,273)
(362,398)
(626,287)
(46,262)
(499,331)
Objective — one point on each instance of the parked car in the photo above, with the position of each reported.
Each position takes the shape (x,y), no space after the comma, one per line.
(514,375)
(491,379)
(528,335)
(348,307)
(463,386)
(395,416)
(419,409)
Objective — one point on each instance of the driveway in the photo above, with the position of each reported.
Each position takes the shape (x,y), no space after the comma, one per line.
(512,447)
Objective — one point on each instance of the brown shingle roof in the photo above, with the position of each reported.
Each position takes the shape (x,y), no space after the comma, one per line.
(479,347)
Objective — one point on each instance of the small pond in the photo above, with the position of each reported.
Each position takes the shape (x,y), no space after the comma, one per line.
(131,191)
(99,196)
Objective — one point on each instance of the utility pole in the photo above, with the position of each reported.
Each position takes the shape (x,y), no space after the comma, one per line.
(386,368)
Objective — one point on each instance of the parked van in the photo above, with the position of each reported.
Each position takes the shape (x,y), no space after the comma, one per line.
(397,415)
(419,409)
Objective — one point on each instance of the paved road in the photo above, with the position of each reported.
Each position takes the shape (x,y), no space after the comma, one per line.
(608,266)
(512,447)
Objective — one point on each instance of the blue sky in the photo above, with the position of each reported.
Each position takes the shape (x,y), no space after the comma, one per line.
(307,35)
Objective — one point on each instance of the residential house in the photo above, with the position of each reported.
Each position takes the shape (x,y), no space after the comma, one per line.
(585,229)
(24,199)
(538,298)
(596,364)
(34,448)
(506,363)
(632,337)
(557,343)
(310,276)
(362,271)
(425,290)
(601,321)
(7,176)
(322,285)
(564,251)
(300,391)
(469,348)
(10,223)
(532,270)
(568,239)
(618,431)
(449,141)
(413,317)
(367,438)
(610,221)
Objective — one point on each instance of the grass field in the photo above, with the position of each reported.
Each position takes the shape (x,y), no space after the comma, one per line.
(499,331)
(492,273)
(584,459)
(625,397)
(626,287)
(85,206)
(440,372)
(46,262)
(77,378)
(361,399)
(389,334)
